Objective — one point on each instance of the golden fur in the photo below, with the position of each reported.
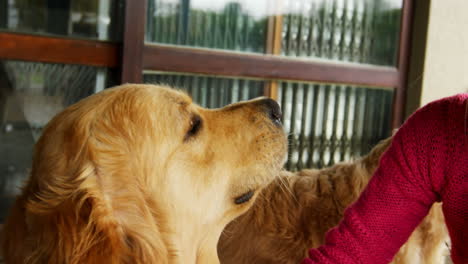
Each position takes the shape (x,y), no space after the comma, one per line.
(117,178)
(295,211)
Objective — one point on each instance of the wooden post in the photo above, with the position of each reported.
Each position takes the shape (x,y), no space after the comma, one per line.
(133,41)
(273,45)
(403,63)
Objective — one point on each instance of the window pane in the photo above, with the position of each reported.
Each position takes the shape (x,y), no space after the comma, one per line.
(331,123)
(30,95)
(234,25)
(347,30)
(210,92)
(94,19)
(360,31)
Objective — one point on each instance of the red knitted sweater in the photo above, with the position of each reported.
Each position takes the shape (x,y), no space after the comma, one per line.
(427,162)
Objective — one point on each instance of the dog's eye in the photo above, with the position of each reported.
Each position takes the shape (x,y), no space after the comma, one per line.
(195,126)
(244,197)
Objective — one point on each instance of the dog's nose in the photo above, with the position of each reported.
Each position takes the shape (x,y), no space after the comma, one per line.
(272,109)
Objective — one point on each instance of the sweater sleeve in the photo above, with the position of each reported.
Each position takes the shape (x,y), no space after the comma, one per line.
(398,196)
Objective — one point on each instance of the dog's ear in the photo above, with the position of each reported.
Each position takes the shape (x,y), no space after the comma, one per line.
(61,163)
(63,212)
(69,205)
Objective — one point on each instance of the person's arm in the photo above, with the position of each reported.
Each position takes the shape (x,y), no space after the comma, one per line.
(397,198)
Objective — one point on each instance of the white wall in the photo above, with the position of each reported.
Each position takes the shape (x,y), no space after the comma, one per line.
(445,70)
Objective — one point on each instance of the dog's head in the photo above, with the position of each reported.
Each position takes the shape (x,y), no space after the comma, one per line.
(150,173)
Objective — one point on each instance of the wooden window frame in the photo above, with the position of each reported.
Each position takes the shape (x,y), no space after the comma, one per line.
(14,46)
(133,56)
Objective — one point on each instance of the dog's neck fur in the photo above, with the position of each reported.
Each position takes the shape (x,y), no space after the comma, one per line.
(192,244)
(148,240)
(123,244)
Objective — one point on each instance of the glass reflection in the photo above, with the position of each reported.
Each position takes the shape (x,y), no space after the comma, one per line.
(95,19)
(30,95)
(327,123)
(235,25)
(209,91)
(363,31)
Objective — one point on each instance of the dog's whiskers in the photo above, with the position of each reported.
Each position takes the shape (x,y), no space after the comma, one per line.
(286,189)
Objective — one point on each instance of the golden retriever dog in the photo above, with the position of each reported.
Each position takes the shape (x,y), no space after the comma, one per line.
(141,174)
(295,211)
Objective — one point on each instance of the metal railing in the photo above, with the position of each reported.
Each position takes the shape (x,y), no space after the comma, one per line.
(210,92)
(327,124)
